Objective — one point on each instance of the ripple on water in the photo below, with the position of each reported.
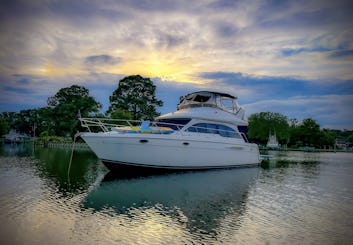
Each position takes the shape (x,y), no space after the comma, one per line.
(299,199)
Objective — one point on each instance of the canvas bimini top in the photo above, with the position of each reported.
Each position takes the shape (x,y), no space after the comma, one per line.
(222,101)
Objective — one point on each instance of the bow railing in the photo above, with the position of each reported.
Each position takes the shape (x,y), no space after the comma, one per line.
(107,125)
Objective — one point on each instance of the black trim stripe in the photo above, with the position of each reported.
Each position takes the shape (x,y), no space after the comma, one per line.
(114,165)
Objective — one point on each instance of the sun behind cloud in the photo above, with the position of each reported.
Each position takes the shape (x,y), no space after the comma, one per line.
(165,66)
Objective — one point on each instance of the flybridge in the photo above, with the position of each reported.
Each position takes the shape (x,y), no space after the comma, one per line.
(222,101)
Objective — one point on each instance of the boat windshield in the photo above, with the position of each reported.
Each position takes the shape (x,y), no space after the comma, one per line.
(173,123)
(202,98)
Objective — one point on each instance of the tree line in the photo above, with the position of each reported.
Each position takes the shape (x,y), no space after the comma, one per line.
(134,98)
(292,133)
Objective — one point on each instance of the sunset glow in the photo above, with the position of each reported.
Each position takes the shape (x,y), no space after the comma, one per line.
(261,51)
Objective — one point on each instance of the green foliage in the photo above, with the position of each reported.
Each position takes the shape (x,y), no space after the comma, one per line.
(44,139)
(121,114)
(31,122)
(4,127)
(350,138)
(66,104)
(327,139)
(136,95)
(47,133)
(59,117)
(24,121)
(263,123)
(308,133)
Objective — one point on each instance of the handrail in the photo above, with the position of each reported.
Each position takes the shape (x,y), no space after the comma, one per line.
(105,124)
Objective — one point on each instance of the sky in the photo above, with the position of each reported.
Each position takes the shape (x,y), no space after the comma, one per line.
(291,57)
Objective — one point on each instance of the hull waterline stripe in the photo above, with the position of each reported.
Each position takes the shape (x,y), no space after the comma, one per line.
(111,163)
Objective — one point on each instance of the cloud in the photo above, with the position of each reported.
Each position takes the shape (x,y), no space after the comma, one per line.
(330,111)
(103,59)
(255,49)
(247,36)
(248,87)
(290,52)
(23,91)
(342,54)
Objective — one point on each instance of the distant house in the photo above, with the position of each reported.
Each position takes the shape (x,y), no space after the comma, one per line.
(342,144)
(14,137)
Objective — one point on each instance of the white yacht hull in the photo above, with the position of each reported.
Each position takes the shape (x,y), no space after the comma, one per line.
(172,151)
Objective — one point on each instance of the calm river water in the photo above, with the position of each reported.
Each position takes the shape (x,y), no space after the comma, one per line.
(295,198)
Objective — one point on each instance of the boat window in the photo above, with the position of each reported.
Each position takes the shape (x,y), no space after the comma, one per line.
(226,131)
(244,132)
(227,103)
(198,128)
(211,128)
(173,123)
(243,129)
(190,97)
(201,98)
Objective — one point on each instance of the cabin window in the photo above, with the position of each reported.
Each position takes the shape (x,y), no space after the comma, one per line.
(226,131)
(173,123)
(211,128)
(201,98)
(227,103)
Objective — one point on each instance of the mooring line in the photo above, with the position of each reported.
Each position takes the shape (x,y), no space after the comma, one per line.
(72,153)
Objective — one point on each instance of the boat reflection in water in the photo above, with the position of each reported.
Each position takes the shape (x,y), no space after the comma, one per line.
(198,200)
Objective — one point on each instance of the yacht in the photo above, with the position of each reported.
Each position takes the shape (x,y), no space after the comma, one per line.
(208,130)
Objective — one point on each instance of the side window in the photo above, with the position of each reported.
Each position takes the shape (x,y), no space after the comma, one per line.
(226,131)
(198,128)
(211,128)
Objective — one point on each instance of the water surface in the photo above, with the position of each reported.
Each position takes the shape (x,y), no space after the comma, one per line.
(295,198)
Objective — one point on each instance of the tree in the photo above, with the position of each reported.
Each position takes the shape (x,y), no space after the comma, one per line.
(136,95)
(78,97)
(9,117)
(263,123)
(4,127)
(350,138)
(327,139)
(24,121)
(66,104)
(121,114)
(310,132)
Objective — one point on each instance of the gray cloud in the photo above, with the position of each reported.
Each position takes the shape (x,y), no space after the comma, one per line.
(342,54)
(103,59)
(253,48)
(225,29)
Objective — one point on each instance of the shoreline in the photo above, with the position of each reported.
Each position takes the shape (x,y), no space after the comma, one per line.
(83,145)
